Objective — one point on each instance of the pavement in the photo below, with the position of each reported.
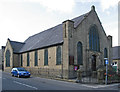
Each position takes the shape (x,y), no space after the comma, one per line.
(37,83)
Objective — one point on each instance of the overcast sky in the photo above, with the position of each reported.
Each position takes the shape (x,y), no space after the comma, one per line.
(20,19)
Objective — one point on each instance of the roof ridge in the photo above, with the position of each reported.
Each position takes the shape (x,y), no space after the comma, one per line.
(80,16)
(17,42)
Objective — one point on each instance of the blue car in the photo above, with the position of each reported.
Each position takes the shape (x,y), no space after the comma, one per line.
(20,72)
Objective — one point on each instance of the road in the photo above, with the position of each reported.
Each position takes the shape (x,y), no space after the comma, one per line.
(37,83)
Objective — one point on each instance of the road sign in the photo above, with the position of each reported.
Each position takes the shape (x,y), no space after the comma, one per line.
(106,62)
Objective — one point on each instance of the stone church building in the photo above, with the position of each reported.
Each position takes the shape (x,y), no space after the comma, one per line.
(77,43)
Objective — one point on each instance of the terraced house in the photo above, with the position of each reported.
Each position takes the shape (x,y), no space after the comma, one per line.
(77,43)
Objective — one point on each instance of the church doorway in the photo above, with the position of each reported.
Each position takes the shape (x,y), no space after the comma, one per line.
(93,62)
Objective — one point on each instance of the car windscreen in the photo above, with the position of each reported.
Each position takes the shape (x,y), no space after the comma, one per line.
(21,69)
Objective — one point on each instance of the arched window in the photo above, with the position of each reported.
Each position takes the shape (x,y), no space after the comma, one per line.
(79,54)
(94,43)
(58,55)
(21,60)
(46,57)
(36,58)
(28,59)
(7,58)
(105,54)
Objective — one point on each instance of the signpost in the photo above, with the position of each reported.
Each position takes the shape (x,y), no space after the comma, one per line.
(106,62)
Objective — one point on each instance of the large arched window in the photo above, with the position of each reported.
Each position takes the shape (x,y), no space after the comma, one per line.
(79,54)
(7,58)
(58,55)
(46,57)
(94,43)
(105,54)
(36,58)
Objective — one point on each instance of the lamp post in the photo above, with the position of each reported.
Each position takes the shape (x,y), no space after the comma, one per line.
(106,62)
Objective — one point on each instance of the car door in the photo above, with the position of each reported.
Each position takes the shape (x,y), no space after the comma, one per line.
(15,72)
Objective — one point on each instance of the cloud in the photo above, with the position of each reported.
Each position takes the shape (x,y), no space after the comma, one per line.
(105,4)
(111,28)
(65,6)
(59,5)
(86,1)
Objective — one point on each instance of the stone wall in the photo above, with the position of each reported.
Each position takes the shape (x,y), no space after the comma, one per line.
(45,72)
(16,60)
(50,69)
(8,47)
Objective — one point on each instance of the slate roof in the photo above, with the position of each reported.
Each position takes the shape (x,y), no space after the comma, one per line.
(116,53)
(79,19)
(46,38)
(16,46)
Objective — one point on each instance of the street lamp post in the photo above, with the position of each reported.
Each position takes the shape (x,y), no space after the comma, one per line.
(106,62)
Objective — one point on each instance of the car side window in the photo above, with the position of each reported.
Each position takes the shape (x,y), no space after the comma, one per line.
(15,70)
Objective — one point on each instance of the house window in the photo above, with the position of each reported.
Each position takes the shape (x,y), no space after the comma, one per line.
(94,43)
(28,59)
(7,58)
(46,57)
(79,54)
(36,58)
(21,60)
(58,55)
